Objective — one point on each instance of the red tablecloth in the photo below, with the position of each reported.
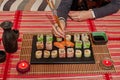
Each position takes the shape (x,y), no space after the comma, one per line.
(31,22)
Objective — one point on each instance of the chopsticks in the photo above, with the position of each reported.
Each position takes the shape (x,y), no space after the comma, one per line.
(52,7)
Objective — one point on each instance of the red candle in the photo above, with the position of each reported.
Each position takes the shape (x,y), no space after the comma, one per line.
(23,66)
(107,63)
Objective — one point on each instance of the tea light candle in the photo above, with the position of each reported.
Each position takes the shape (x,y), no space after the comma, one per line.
(23,66)
(106,63)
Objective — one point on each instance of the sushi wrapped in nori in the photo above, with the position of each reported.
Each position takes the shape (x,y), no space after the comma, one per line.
(46,54)
(38,54)
(76,37)
(49,45)
(68,37)
(78,53)
(87,53)
(54,54)
(84,37)
(78,44)
(70,52)
(86,44)
(49,38)
(39,45)
(40,37)
(62,53)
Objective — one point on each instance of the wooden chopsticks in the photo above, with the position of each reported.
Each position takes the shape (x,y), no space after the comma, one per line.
(52,7)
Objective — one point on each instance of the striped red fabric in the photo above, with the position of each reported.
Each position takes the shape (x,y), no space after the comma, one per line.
(40,21)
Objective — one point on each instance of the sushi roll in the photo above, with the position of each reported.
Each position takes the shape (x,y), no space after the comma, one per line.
(87,53)
(46,54)
(76,37)
(70,52)
(84,37)
(78,53)
(59,39)
(62,53)
(38,54)
(48,45)
(86,44)
(68,37)
(39,45)
(78,44)
(54,54)
(49,38)
(40,37)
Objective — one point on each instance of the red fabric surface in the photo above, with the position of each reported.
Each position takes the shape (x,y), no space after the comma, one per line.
(30,22)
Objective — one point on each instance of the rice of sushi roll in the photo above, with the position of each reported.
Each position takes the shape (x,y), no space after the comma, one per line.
(39,45)
(54,54)
(46,54)
(86,44)
(78,44)
(78,53)
(84,37)
(62,53)
(87,53)
(70,52)
(40,37)
(49,38)
(38,54)
(76,37)
(59,39)
(68,37)
(48,45)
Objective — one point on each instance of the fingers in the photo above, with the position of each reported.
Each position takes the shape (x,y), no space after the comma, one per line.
(57,31)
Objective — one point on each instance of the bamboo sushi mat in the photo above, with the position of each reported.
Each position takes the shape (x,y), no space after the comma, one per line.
(100,52)
(34,22)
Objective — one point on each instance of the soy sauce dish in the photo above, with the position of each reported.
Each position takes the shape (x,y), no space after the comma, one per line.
(99,38)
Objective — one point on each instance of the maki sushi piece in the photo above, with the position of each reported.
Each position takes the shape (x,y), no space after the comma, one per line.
(49,45)
(62,53)
(87,53)
(54,54)
(38,54)
(84,37)
(40,37)
(76,37)
(49,38)
(78,53)
(46,54)
(68,37)
(59,39)
(70,52)
(39,45)
(78,44)
(86,44)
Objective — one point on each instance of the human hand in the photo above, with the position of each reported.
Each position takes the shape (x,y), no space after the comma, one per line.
(59,31)
(81,15)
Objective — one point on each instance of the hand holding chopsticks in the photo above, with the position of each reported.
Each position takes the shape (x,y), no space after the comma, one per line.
(60,24)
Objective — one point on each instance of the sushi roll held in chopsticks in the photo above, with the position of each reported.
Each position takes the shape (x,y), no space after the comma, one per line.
(78,53)
(38,54)
(87,53)
(70,52)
